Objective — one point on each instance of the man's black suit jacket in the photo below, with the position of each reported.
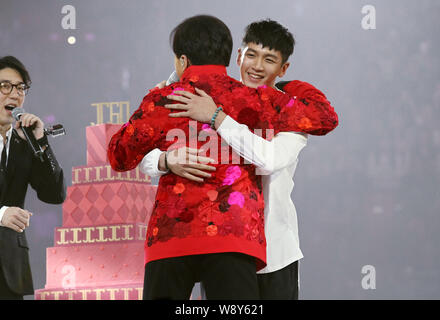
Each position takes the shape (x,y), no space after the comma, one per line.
(48,181)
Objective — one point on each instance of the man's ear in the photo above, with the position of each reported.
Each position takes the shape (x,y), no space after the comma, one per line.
(239,57)
(184,62)
(284,69)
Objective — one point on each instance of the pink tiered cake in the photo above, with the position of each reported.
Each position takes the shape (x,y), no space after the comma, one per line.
(99,250)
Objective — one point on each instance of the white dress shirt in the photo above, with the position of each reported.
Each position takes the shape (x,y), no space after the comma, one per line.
(276,160)
(3,145)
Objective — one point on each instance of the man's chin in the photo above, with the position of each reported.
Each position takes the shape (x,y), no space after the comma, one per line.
(253,84)
(6,121)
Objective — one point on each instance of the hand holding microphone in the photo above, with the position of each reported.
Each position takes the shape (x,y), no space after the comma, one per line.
(29,127)
(31,121)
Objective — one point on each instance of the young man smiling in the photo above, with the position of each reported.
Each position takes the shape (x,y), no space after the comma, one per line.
(260,65)
(262,59)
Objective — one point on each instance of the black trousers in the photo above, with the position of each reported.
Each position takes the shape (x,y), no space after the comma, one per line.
(224,276)
(279,285)
(5,292)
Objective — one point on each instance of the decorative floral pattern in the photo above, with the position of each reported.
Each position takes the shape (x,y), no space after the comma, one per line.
(230,203)
(236,198)
(232,174)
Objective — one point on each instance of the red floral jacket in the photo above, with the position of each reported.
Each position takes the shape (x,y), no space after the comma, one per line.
(226,212)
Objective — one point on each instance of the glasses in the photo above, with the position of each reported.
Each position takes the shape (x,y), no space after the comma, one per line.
(7,87)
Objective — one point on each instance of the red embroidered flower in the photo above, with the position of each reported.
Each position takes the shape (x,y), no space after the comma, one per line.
(264,96)
(253,206)
(129,130)
(232,174)
(149,107)
(179,188)
(245,216)
(211,230)
(212,195)
(172,205)
(305,123)
(206,127)
(194,78)
(205,209)
(290,103)
(236,198)
(254,234)
(177,89)
(147,131)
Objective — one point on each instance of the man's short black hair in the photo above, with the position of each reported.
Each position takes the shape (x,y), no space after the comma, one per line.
(14,63)
(204,40)
(271,34)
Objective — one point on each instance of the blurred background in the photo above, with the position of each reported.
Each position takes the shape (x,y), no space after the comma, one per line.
(367,194)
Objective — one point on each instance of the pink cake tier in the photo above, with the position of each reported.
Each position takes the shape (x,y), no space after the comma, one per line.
(90,265)
(103,234)
(98,137)
(104,174)
(108,203)
(99,250)
(127,292)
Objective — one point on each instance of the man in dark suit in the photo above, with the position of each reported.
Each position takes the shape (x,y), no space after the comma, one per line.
(19,168)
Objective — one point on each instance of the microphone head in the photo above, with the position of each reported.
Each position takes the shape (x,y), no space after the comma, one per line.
(17,112)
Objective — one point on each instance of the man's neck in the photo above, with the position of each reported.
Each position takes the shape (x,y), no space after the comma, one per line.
(3,129)
(272,85)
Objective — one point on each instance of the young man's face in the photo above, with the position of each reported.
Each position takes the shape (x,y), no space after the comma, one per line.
(260,66)
(13,99)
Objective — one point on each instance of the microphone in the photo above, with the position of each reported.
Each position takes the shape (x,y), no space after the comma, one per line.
(30,138)
(173,78)
(55,130)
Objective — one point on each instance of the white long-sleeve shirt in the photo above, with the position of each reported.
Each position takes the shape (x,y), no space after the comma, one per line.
(5,145)
(276,160)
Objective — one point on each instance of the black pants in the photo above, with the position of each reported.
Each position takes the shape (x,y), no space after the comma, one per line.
(5,292)
(279,285)
(225,276)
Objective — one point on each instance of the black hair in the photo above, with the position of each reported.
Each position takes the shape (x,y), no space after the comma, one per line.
(14,63)
(204,40)
(271,34)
